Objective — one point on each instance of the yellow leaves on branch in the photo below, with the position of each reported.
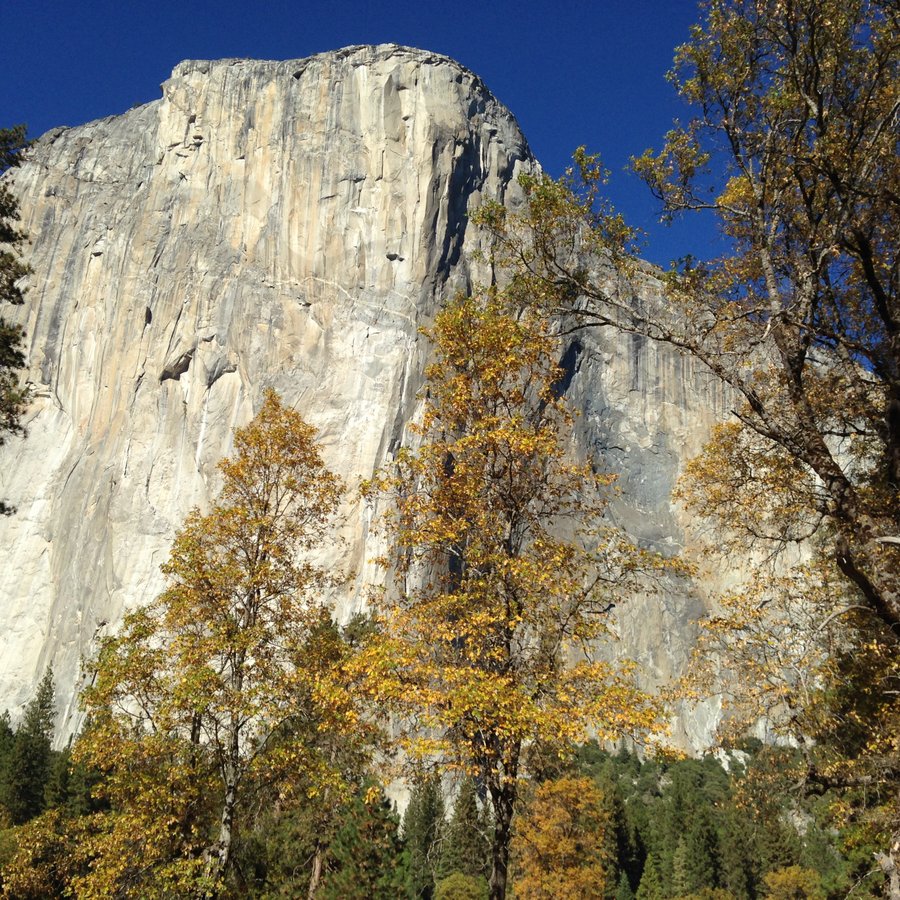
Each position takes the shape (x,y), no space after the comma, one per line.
(496,603)
(235,673)
(564,843)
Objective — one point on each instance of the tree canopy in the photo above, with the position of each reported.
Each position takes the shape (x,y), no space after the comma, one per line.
(791,143)
(793,146)
(228,681)
(489,650)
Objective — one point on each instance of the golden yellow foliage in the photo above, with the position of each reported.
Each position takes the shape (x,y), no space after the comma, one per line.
(498,598)
(793,883)
(228,677)
(561,849)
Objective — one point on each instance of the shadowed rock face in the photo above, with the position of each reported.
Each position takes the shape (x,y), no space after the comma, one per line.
(284,224)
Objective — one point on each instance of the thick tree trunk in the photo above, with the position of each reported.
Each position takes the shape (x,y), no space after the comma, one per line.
(503,802)
(219,855)
(890,865)
(220,852)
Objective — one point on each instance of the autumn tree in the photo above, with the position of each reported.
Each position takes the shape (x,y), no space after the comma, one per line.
(792,145)
(793,148)
(793,883)
(559,848)
(204,693)
(496,603)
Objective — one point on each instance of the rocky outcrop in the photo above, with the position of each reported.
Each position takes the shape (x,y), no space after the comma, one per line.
(283,224)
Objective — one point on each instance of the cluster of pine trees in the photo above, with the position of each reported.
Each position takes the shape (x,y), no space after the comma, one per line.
(32,774)
(606,825)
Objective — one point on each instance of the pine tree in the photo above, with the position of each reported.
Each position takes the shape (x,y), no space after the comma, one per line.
(12,270)
(735,857)
(366,860)
(422,827)
(681,879)
(28,769)
(619,851)
(59,778)
(623,889)
(652,886)
(466,845)
(701,853)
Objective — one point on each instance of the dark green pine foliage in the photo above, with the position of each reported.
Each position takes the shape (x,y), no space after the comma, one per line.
(7,740)
(735,856)
(653,881)
(12,270)
(777,844)
(623,888)
(819,855)
(28,769)
(423,825)
(466,846)
(701,853)
(617,840)
(58,786)
(366,859)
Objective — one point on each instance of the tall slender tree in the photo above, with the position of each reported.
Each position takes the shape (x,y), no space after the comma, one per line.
(210,688)
(489,635)
(12,270)
(423,831)
(29,762)
(466,844)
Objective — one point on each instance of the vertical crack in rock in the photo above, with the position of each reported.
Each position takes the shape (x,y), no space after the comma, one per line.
(316,217)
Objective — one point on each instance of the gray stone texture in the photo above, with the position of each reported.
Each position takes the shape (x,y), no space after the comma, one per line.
(287,225)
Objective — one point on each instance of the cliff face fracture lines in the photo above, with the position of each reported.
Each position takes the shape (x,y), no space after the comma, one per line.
(287,225)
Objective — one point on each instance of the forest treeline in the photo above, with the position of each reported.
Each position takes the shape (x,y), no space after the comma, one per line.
(599,824)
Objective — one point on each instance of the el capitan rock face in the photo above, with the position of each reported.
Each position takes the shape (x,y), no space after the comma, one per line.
(288,225)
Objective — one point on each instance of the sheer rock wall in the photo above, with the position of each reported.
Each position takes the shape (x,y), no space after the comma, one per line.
(284,224)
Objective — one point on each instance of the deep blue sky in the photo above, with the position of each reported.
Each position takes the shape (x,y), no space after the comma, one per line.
(573,71)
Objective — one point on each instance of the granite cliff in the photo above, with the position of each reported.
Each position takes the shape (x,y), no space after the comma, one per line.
(284,224)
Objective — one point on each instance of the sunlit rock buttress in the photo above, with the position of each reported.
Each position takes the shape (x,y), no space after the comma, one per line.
(288,225)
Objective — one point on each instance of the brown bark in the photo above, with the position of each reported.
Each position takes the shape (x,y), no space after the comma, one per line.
(503,802)
(316,874)
(890,864)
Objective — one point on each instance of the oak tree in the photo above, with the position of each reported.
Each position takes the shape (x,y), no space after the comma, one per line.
(497,598)
(206,692)
(792,145)
(559,847)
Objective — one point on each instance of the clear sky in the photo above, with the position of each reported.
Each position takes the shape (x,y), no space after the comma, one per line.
(572,71)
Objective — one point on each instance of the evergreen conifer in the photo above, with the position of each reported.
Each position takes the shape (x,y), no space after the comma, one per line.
(28,768)
(653,883)
(623,889)
(422,827)
(701,856)
(466,847)
(366,860)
